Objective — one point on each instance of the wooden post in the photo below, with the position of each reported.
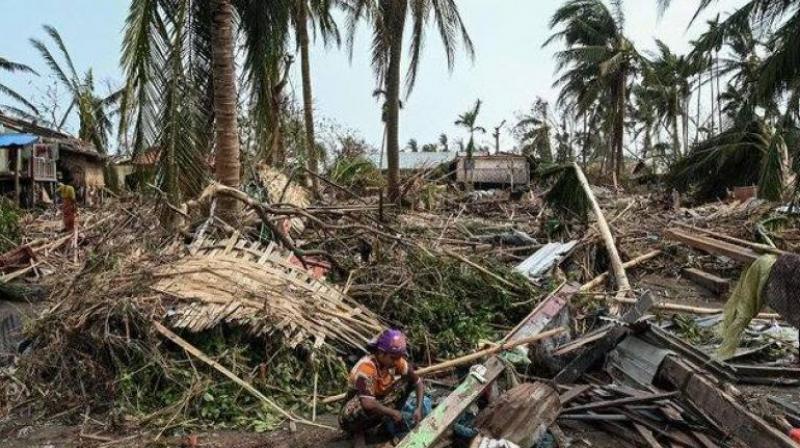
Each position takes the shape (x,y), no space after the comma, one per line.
(623,285)
(17,168)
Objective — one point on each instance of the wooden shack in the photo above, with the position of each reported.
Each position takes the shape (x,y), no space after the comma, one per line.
(33,159)
(497,170)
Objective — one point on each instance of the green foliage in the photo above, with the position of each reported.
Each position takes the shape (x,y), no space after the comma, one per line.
(355,172)
(9,225)
(736,157)
(566,196)
(450,307)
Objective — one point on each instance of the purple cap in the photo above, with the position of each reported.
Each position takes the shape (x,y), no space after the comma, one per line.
(392,342)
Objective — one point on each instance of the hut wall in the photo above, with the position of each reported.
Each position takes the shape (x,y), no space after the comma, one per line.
(494,170)
(84,171)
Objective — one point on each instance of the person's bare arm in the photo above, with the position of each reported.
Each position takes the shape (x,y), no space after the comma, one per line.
(373,406)
(419,388)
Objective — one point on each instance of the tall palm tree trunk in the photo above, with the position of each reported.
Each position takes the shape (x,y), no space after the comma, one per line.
(227,164)
(308,97)
(396,19)
(697,117)
(619,127)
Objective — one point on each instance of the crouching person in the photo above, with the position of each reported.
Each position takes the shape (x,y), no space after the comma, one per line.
(380,384)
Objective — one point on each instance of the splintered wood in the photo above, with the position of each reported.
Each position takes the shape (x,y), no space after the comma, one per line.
(260,289)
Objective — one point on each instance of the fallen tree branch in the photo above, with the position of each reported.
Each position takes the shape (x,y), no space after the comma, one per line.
(623,285)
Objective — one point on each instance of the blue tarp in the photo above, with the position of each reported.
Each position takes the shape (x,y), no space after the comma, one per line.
(7,140)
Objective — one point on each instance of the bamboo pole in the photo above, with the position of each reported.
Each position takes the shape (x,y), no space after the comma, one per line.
(194,351)
(623,285)
(466,359)
(600,279)
(669,306)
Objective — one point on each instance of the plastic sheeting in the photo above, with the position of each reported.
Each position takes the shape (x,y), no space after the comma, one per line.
(746,301)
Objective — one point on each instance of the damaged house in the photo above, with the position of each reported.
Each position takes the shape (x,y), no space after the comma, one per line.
(33,159)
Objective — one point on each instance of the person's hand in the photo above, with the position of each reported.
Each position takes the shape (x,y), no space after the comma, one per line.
(417,416)
(396,416)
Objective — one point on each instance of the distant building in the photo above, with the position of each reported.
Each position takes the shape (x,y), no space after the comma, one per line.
(413,161)
(497,170)
(34,158)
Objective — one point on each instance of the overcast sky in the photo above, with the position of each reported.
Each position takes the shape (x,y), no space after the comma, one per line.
(511,67)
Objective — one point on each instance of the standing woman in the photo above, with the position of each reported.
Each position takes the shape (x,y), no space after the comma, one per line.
(69,207)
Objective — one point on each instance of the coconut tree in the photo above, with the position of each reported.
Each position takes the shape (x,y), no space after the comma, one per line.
(596,66)
(94,111)
(181,86)
(468,120)
(388,20)
(666,81)
(533,130)
(445,142)
(318,14)
(25,108)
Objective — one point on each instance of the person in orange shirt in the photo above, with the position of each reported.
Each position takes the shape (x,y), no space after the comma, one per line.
(380,384)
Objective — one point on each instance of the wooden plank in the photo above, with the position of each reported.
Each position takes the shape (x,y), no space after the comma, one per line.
(712,246)
(647,435)
(621,402)
(447,412)
(521,415)
(574,393)
(735,419)
(711,282)
(592,355)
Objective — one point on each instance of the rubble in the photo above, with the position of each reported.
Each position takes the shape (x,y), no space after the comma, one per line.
(254,327)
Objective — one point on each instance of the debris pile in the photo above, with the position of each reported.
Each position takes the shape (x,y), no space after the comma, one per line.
(589,328)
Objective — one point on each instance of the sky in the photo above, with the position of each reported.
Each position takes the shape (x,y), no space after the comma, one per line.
(509,71)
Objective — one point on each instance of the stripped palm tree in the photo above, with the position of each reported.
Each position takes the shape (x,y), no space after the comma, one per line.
(388,19)
(318,14)
(94,111)
(596,66)
(24,108)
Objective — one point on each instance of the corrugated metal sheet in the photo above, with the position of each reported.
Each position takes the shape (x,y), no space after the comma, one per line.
(539,264)
(7,140)
(497,169)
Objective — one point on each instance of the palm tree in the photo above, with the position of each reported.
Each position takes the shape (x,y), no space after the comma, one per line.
(596,66)
(388,20)
(181,94)
(468,120)
(28,109)
(318,14)
(413,146)
(93,110)
(666,81)
(533,131)
(444,141)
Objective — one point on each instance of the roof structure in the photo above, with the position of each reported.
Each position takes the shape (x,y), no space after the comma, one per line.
(67,143)
(11,140)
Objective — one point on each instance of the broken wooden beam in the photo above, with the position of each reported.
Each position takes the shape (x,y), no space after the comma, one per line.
(741,424)
(589,357)
(600,279)
(447,412)
(620,402)
(521,415)
(761,248)
(713,246)
(711,282)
